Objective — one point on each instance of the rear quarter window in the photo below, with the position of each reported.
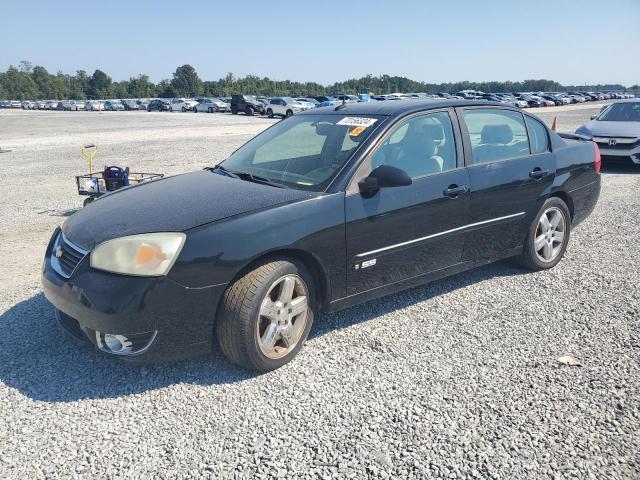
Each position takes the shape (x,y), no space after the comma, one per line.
(538,136)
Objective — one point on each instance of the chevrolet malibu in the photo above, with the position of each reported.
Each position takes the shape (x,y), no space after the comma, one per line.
(322,211)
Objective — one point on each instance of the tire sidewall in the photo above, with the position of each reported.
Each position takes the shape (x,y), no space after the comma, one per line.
(529,253)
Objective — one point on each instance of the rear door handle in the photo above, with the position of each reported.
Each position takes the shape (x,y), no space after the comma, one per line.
(538,173)
(454,191)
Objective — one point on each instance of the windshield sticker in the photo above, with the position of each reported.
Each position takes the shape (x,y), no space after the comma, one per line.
(357,121)
(356,131)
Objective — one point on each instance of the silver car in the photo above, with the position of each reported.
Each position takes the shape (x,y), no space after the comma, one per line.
(210,105)
(616,130)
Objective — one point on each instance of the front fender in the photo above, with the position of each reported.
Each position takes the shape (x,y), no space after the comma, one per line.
(216,252)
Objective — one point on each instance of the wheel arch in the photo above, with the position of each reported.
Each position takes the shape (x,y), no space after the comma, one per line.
(566,198)
(308,260)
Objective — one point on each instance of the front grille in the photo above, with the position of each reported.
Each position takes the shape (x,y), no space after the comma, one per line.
(622,143)
(65,256)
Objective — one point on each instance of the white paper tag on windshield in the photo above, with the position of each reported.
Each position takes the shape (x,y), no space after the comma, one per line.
(357,121)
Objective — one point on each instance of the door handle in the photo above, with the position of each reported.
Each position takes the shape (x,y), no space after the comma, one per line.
(454,191)
(538,173)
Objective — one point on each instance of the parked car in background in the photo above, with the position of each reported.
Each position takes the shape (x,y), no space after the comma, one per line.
(94,106)
(113,105)
(182,105)
(130,105)
(68,105)
(531,101)
(249,104)
(143,104)
(312,102)
(210,105)
(39,105)
(323,211)
(285,107)
(28,105)
(616,130)
(51,104)
(159,105)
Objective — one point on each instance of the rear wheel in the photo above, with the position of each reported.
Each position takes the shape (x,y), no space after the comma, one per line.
(248,110)
(548,236)
(266,316)
(289,113)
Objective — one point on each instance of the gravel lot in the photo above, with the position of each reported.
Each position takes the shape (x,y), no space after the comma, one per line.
(457,379)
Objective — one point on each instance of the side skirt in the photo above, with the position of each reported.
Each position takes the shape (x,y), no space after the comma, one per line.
(418,280)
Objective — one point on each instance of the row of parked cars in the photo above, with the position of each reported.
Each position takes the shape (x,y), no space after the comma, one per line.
(285,106)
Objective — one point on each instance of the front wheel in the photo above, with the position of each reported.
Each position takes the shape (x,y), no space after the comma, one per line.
(289,113)
(184,109)
(248,111)
(548,236)
(269,113)
(266,316)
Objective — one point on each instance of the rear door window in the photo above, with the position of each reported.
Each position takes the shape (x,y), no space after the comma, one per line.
(496,134)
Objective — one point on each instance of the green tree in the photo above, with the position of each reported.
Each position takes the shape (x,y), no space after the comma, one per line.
(186,82)
(141,87)
(18,85)
(100,85)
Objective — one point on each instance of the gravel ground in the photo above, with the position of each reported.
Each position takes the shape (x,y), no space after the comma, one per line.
(457,379)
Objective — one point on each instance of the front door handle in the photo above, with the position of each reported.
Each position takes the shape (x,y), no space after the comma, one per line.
(454,191)
(538,173)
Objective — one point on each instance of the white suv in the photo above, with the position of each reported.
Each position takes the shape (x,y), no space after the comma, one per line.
(285,106)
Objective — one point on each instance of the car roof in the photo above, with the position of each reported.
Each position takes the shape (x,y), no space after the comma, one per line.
(398,107)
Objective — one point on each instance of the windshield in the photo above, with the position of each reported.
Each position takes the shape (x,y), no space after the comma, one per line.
(304,151)
(621,112)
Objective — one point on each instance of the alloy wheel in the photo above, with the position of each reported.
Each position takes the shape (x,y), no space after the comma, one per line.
(283,316)
(550,234)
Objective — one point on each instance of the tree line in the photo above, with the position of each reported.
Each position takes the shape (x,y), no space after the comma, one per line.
(28,82)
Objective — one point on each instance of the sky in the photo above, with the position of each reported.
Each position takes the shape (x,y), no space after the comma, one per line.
(586,42)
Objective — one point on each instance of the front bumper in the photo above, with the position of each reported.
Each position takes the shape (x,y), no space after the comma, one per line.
(175,321)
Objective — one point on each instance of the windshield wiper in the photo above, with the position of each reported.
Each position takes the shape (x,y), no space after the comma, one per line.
(258,179)
(226,172)
(246,176)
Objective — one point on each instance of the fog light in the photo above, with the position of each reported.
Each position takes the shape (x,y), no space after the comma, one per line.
(118,344)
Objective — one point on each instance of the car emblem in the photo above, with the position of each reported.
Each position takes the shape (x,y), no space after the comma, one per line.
(58,252)
(612,141)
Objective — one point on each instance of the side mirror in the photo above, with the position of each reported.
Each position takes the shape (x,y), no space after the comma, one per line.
(384,176)
(594,116)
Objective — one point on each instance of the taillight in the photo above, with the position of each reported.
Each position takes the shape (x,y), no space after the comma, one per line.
(597,160)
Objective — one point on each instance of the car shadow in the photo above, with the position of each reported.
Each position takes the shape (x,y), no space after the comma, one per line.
(620,168)
(42,362)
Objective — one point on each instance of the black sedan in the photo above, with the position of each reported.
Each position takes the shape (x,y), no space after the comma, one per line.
(324,210)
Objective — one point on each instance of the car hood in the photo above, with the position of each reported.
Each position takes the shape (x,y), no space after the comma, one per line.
(613,129)
(173,204)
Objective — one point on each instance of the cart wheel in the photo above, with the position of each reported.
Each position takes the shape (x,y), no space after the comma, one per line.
(87,201)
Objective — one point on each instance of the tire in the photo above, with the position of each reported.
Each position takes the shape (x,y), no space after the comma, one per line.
(289,113)
(210,110)
(195,110)
(184,109)
(542,250)
(148,109)
(171,109)
(234,110)
(242,329)
(248,110)
(269,113)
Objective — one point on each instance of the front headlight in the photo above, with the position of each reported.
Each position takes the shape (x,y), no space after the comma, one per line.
(147,255)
